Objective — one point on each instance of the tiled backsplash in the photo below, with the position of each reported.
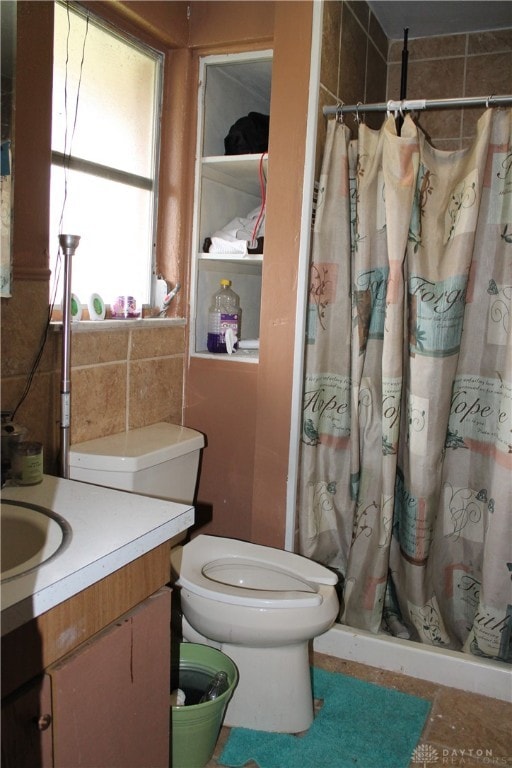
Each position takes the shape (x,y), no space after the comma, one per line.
(124,374)
(126,377)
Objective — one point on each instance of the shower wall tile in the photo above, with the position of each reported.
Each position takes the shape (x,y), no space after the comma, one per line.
(444,123)
(354,56)
(489,74)
(453,66)
(421,48)
(436,78)
(331,38)
(354,43)
(490,42)
(375,86)
(378,38)
(361,11)
(98,401)
(155,391)
(485,75)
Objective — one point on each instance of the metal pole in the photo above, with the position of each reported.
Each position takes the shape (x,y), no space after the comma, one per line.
(417,105)
(403,80)
(68,244)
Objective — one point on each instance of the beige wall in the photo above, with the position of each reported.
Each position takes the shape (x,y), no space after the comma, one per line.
(245,409)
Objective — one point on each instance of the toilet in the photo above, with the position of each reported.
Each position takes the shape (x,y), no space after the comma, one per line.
(260,606)
(161,460)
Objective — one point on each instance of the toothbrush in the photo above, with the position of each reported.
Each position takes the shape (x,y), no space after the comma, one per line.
(167,299)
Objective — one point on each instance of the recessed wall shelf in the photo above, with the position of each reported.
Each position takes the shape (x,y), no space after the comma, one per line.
(227,187)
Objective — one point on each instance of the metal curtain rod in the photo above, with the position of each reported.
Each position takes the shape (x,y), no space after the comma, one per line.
(415,105)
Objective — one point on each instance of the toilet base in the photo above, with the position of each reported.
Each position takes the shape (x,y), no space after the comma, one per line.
(274,688)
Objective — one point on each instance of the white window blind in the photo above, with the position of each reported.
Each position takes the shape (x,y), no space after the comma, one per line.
(105,138)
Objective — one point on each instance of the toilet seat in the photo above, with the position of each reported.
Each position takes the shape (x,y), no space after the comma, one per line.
(251,575)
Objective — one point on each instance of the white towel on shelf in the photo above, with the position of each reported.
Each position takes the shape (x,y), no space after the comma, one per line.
(238,233)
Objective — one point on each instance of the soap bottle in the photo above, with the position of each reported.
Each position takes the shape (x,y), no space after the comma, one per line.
(224,318)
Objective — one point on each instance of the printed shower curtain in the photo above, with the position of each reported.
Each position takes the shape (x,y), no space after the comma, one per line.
(406,448)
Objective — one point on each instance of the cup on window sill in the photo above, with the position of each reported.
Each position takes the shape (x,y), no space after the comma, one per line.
(124,308)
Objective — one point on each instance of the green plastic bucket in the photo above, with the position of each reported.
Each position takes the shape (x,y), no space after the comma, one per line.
(195,728)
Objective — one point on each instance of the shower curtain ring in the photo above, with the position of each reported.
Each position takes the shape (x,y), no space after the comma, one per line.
(488,99)
(357,118)
(339,113)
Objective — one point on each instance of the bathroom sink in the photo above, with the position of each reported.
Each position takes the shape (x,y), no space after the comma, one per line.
(31,535)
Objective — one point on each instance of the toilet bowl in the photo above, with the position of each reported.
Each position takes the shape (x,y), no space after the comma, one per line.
(260,606)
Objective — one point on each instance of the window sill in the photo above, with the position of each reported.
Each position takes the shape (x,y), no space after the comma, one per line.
(87,326)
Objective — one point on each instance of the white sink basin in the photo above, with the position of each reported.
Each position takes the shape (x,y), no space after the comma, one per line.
(61,536)
(31,536)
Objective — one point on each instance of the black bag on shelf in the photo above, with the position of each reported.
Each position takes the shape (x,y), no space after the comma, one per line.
(249,135)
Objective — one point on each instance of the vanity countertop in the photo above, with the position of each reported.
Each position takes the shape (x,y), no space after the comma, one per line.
(109,529)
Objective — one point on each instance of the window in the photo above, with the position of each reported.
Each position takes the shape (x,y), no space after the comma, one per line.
(105,138)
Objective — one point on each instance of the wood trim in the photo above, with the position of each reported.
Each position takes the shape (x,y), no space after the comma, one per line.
(30,272)
(28,650)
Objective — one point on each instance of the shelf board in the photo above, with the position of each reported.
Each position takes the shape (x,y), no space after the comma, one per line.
(236,171)
(240,356)
(236,258)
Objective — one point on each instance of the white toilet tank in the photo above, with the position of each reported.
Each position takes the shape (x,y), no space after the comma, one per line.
(161,460)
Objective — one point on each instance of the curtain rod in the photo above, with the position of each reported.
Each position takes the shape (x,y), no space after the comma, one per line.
(415,105)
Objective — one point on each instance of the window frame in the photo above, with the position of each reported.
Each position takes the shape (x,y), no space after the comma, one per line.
(110,173)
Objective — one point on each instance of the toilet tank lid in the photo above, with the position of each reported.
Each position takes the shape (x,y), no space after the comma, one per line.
(137,449)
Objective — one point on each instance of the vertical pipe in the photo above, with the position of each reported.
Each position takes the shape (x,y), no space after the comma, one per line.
(68,244)
(403,79)
(405,60)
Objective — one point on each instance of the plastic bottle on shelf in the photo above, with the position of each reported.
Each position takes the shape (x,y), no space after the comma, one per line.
(224,320)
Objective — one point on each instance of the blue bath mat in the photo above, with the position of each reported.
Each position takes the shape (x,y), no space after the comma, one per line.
(360,725)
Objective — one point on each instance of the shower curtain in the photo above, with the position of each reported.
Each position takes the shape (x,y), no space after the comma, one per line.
(406,450)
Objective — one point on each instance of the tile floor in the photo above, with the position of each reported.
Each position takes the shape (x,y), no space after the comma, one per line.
(462,729)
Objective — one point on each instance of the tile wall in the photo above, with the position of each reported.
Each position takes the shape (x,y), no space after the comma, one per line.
(359,64)
(124,374)
(126,378)
(453,66)
(353,65)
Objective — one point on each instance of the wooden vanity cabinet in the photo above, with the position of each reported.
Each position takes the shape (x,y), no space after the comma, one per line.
(27,734)
(104,705)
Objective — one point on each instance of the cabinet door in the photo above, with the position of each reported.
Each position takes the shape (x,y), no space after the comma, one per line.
(111,696)
(27,726)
